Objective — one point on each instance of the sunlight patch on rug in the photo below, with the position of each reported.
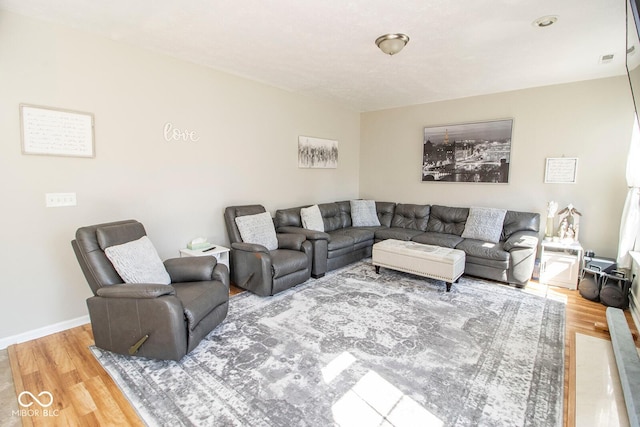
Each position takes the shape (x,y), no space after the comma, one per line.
(356,347)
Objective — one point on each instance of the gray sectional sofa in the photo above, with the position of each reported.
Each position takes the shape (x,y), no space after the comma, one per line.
(510,260)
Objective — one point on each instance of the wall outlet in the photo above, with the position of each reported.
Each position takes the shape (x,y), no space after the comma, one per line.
(56,200)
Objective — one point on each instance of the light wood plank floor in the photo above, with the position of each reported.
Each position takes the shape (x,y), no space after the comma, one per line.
(84,394)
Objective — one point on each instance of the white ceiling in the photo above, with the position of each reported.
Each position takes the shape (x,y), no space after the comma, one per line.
(326,49)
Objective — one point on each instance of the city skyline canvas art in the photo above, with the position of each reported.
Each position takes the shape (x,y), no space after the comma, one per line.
(470,152)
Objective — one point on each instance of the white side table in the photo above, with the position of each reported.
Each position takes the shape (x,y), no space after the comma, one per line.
(560,264)
(220,252)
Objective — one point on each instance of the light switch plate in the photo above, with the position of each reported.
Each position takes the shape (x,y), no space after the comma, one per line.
(56,200)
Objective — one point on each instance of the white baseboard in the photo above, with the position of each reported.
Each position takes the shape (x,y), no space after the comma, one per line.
(41,332)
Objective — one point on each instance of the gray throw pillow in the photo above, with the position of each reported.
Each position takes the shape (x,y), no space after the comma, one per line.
(363,213)
(312,218)
(484,224)
(258,229)
(138,262)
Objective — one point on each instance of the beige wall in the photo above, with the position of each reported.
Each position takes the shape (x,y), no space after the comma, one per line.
(589,120)
(247,153)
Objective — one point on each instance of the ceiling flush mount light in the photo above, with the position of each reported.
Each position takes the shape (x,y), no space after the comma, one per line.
(545,21)
(392,43)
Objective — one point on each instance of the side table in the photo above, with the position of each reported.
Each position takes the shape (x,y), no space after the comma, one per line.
(220,252)
(560,263)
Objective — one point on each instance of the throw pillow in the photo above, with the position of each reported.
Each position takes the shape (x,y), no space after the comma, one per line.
(258,229)
(312,218)
(138,262)
(484,224)
(363,213)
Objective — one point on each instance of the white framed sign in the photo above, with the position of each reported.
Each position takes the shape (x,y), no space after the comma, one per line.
(56,132)
(561,170)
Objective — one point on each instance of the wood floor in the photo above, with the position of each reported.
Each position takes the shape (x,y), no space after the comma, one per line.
(84,394)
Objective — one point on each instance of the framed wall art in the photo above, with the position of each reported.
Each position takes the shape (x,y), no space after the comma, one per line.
(317,153)
(561,170)
(470,152)
(56,132)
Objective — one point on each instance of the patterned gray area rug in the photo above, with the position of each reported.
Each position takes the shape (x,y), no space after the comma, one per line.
(358,348)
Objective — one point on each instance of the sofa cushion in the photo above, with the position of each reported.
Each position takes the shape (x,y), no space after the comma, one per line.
(138,262)
(520,221)
(258,229)
(411,216)
(344,209)
(445,219)
(385,210)
(197,297)
(117,234)
(339,240)
(312,218)
(438,239)
(397,233)
(484,250)
(363,213)
(288,217)
(484,224)
(285,261)
(330,216)
(486,263)
(358,234)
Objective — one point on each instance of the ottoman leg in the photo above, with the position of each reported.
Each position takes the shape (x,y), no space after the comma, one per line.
(377,269)
(448,286)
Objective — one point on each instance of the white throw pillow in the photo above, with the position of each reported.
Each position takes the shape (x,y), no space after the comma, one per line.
(484,224)
(138,262)
(363,213)
(312,218)
(258,229)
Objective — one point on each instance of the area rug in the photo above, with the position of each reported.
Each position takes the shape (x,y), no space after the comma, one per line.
(360,348)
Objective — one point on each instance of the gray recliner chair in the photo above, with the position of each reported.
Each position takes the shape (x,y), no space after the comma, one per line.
(151,320)
(262,271)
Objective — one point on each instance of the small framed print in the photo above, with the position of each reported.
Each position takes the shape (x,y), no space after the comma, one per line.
(561,170)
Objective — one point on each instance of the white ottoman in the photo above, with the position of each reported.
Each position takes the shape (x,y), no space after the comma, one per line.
(423,260)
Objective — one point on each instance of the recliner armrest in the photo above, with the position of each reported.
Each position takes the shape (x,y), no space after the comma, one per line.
(290,241)
(190,269)
(135,290)
(249,247)
(521,240)
(221,273)
(309,234)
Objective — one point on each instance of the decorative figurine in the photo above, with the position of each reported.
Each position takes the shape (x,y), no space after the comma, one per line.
(569,224)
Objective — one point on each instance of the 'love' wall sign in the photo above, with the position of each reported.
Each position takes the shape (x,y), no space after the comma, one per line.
(174,134)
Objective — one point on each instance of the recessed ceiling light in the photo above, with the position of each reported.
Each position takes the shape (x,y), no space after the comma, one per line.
(545,21)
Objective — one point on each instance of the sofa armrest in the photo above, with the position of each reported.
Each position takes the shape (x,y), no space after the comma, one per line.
(309,234)
(190,269)
(221,273)
(135,290)
(249,247)
(290,241)
(521,240)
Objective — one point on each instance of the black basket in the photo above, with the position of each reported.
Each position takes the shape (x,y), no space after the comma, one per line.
(614,289)
(590,282)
